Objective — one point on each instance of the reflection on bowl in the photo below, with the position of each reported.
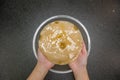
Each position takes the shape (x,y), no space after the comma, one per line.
(84,32)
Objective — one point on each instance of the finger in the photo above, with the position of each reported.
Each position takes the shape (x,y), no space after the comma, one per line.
(40,54)
(39,50)
(84,49)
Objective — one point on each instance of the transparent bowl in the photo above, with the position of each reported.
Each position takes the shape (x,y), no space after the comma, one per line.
(84,32)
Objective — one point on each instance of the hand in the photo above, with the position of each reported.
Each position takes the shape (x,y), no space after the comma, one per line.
(43,60)
(79,65)
(41,68)
(81,61)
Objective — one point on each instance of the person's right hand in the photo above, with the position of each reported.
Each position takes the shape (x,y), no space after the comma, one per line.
(81,61)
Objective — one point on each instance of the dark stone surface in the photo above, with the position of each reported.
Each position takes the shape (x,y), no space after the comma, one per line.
(20,18)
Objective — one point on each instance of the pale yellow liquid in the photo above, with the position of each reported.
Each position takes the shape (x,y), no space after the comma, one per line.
(60,42)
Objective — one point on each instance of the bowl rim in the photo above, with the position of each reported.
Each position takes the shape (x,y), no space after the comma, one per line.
(57,17)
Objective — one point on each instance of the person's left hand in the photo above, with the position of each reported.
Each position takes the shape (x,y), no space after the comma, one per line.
(44,61)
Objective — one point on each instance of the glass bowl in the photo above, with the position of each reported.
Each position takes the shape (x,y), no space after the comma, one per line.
(83,30)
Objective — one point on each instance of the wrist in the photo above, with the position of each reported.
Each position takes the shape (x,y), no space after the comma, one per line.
(81,73)
(38,73)
(42,67)
(79,69)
